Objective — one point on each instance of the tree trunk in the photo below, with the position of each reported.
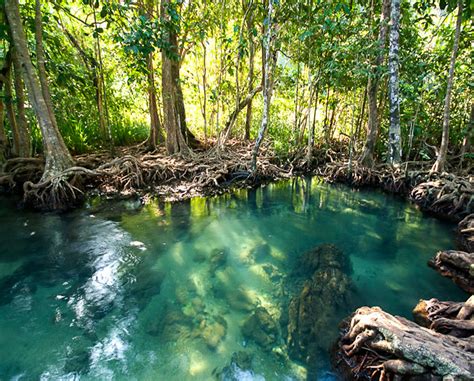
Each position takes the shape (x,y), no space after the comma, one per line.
(466,142)
(3,137)
(248,117)
(367,157)
(11,115)
(57,156)
(156,133)
(443,150)
(41,61)
(309,155)
(394,136)
(173,105)
(23,144)
(267,86)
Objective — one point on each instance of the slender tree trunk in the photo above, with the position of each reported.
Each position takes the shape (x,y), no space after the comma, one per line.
(56,154)
(204,90)
(267,86)
(104,120)
(394,135)
(23,145)
(443,150)
(156,133)
(3,136)
(11,115)
(248,117)
(309,155)
(367,157)
(360,118)
(41,61)
(467,141)
(173,106)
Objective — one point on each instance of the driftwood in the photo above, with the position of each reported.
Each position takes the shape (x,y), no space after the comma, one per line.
(466,233)
(451,318)
(380,346)
(457,265)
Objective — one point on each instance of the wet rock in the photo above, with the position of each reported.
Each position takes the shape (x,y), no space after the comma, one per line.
(218,259)
(213,332)
(261,328)
(272,272)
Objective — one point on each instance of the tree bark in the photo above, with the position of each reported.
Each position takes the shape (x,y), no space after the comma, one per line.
(23,144)
(267,87)
(57,156)
(248,116)
(173,105)
(156,133)
(11,116)
(394,136)
(438,166)
(367,157)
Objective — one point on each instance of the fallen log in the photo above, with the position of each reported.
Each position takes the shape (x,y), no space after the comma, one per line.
(380,346)
(457,265)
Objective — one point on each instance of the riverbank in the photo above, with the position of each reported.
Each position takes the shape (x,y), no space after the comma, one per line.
(134,172)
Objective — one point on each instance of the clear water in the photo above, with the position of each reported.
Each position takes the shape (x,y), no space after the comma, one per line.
(125,293)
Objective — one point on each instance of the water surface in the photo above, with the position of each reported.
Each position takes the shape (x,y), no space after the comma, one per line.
(114,291)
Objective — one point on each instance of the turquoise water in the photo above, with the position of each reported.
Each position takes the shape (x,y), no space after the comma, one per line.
(119,292)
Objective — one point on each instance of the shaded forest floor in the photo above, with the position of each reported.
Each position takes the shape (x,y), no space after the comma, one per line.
(136,172)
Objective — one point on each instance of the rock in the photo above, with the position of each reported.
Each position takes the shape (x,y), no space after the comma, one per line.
(213,332)
(238,299)
(322,256)
(261,328)
(319,301)
(172,325)
(218,259)
(239,369)
(261,252)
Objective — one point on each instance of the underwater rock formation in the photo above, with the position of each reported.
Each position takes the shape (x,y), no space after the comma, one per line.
(240,368)
(321,298)
(457,265)
(213,331)
(261,328)
(380,346)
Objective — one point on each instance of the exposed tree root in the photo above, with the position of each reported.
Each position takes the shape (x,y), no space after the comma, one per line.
(455,319)
(466,233)
(443,194)
(380,346)
(457,265)
(138,173)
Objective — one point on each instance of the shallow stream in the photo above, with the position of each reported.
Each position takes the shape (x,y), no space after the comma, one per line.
(118,292)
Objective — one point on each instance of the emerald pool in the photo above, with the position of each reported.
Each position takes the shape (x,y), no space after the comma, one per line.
(119,291)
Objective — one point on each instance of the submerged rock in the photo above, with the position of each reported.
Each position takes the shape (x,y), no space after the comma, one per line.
(240,368)
(261,328)
(213,332)
(318,303)
(218,259)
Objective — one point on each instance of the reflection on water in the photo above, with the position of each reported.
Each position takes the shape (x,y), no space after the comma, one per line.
(206,289)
